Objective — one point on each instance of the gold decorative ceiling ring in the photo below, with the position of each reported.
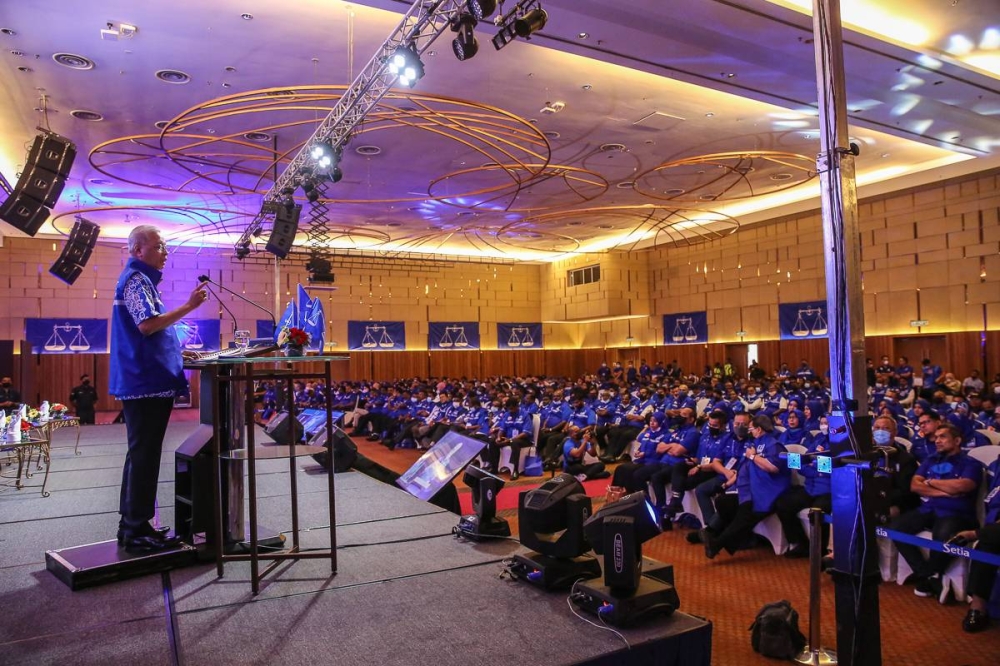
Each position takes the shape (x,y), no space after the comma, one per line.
(221,147)
(725,176)
(577,186)
(647,225)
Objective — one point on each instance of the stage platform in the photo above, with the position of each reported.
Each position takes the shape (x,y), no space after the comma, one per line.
(407,591)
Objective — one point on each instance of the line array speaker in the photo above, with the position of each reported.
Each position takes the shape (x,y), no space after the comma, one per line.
(286,225)
(42,181)
(76,252)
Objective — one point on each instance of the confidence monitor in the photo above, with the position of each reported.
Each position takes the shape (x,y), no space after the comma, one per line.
(436,468)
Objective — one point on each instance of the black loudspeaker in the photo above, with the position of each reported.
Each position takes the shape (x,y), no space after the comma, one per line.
(24,213)
(345,451)
(41,184)
(76,252)
(286,225)
(52,153)
(280,427)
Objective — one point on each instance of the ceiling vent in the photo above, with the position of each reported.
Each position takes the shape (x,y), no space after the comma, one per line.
(73,61)
(174,76)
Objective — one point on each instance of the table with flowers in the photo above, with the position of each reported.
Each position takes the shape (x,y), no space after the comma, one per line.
(35,438)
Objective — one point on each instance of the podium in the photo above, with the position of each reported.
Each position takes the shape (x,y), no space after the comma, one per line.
(224,446)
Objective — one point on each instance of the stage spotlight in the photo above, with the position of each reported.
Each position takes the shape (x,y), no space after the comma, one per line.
(465,44)
(326,154)
(484,524)
(551,521)
(530,23)
(405,64)
(335,175)
(617,532)
(481,9)
(310,190)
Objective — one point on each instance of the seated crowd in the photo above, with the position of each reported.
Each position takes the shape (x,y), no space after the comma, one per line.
(725,438)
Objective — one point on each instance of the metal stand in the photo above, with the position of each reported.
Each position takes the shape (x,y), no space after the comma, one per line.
(813,655)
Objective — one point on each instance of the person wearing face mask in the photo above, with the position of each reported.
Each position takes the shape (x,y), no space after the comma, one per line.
(649,439)
(577,446)
(814,492)
(83,398)
(626,425)
(10,397)
(680,446)
(717,497)
(900,467)
(762,478)
(695,468)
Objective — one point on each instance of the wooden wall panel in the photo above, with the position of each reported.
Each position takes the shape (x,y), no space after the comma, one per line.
(456,364)
(815,352)
(566,363)
(992,355)
(360,366)
(500,362)
(965,353)
(393,365)
(769,354)
(530,362)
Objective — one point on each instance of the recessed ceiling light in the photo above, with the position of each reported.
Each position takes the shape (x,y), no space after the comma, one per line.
(230,69)
(533,121)
(257,137)
(246,16)
(781,176)
(674,192)
(709,115)
(583,35)
(8,31)
(368,151)
(575,223)
(89,116)
(551,134)
(605,226)
(101,181)
(174,76)
(626,185)
(26,70)
(73,61)
(708,197)
(885,155)
(160,124)
(586,86)
(613,148)
(394,224)
(227,85)
(210,131)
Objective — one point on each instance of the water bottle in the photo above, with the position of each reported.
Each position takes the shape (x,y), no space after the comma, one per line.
(43,411)
(3,424)
(14,426)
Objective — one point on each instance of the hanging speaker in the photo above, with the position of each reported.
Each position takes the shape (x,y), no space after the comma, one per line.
(41,184)
(286,225)
(53,153)
(76,252)
(24,213)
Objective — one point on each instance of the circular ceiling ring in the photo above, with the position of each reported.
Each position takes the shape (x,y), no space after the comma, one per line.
(728,176)
(575,179)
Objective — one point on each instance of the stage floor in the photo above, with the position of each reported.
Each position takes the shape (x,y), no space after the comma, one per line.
(407,591)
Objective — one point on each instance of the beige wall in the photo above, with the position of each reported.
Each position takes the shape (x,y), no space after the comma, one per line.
(923,254)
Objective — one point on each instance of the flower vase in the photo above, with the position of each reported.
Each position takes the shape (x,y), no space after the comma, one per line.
(294,350)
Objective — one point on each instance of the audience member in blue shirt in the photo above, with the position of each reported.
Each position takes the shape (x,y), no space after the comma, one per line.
(580,443)
(947,483)
(982,576)
(762,478)
(649,438)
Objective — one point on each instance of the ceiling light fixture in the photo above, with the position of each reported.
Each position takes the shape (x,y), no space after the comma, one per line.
(406,65)
(246,16)
(465,45)
(525,19)
(481,9)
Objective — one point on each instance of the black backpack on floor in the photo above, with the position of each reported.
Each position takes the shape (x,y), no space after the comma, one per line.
(775,631)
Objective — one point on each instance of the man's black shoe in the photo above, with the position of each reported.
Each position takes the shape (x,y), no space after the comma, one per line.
(797,551)
(694,537)
(150,544)
(148,530)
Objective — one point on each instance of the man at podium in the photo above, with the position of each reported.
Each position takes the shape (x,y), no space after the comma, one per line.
(146,375)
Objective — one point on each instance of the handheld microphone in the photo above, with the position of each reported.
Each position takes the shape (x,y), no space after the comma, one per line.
(274,322)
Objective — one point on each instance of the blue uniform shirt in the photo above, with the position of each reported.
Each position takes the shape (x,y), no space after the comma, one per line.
(816,483)
(142,366)
(992,498)
(957,466)
(758,486)
(648,440)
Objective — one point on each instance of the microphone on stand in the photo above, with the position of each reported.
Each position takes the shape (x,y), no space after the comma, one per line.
(274,322)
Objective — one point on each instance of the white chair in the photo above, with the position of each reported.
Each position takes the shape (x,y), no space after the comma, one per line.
(985,454)
(770,529)
(991,435)
(536,426)
(905,443)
